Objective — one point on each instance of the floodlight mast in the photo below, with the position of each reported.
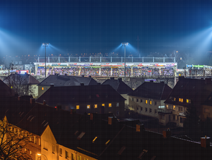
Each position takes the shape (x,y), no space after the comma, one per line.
(45,45)
(124,44)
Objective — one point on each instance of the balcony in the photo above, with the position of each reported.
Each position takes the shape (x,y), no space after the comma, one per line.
(160,110)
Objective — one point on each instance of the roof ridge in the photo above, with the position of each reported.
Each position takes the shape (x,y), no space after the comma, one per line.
(162,91)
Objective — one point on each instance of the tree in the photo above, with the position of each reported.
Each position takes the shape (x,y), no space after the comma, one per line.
(19,83)
(192,123)
(12,145)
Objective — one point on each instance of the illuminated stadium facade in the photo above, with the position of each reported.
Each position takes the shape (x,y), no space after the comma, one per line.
(106,66)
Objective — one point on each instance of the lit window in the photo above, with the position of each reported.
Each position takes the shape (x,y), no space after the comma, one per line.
(180,99)
(174,99)
(30,152)
(94,139)
(110,105)
(107,142)
(117,104)
(77,106)
(88,106)
(95,105)
(167,106)
(146,101)
(42,88)
(11,87)
(150,102)
(103,104)
(173,107)
(188,101)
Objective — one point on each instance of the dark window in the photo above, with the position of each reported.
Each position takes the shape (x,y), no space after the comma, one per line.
(150,110)
(60,151)
(174,117)
(137,108)
(145,109)
(141,100)
(181,120)
(66,154)
(155,103)
(155,110)
(72,156)
(137,100)
(141,108)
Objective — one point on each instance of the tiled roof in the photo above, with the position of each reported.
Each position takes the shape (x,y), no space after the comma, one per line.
(23,79)
(100,140)
(80,94)
(63,80)
(118,85)
(5,91)
(196,90)
(152,90)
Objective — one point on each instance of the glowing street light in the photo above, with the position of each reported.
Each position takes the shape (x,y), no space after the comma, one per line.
(45,45)
(124,44)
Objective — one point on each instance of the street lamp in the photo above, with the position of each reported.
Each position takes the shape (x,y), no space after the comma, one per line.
(45,45)
(124,44)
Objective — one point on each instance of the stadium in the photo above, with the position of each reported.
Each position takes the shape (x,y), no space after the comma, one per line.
(106,66)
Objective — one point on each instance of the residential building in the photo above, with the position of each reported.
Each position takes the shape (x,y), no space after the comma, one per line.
(63,80)
(22,84)
(122,88)
(187,93)
(85,99)
(62,135)
(148,99)
(5,91)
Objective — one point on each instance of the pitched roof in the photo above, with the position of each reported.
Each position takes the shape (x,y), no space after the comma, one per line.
(152,90)
(64,80)
(100,140)
(5,91)
(197,90)
(80,94)
(118,85)
(23,79)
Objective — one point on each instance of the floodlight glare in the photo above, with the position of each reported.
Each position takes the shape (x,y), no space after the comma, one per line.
(124,43)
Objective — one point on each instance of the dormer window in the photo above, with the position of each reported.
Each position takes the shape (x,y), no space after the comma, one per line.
(94,139)
(107,142)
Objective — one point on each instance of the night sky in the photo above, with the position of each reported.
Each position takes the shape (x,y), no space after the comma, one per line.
(92,26)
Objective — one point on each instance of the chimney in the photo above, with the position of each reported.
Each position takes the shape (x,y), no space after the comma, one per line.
(82,75)
(51,84)
(119,79)
(44,102)
(32,101)
(110,120)
(91,116)
(112,78)
(207,80)
(205,142)
(81,84)
(167,133)
(139,127)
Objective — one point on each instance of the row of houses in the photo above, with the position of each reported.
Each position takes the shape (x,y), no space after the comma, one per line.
(151,99)
(57,134)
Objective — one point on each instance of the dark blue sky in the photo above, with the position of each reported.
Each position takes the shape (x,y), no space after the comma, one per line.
(101,25)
